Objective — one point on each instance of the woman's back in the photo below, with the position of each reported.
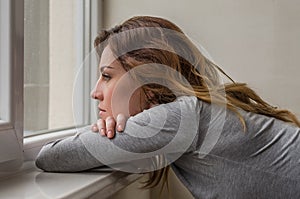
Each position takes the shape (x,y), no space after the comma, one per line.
(261,162)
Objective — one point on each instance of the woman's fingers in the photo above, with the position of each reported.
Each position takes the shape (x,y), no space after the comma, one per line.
(121,120)
(101,127)
(110,127)
(94,127)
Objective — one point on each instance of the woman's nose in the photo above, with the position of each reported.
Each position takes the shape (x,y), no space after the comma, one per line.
(96,93)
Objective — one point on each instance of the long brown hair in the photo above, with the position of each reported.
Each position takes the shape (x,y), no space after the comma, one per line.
(180,54)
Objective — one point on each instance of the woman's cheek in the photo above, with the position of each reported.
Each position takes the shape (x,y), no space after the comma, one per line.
(120,100)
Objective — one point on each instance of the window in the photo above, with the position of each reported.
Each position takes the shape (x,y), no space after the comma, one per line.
(47,70)
(57,75)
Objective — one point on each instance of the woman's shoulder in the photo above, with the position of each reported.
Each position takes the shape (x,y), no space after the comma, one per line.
(180,105)
(184,108)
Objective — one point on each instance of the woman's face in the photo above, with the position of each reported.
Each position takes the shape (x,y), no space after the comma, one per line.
(111,92)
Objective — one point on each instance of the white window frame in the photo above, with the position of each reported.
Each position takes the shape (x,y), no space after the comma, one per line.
(12,54)
(14,149)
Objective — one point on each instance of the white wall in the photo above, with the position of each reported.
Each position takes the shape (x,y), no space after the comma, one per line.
(254,41)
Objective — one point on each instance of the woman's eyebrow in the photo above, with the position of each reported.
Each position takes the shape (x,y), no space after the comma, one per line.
(103,67)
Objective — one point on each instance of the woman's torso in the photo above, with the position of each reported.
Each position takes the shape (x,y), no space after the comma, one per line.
(228,162)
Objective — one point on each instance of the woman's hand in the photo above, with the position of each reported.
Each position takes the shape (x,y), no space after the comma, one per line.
(107,127)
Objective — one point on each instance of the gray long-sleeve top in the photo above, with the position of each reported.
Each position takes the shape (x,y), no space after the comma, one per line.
(206,146)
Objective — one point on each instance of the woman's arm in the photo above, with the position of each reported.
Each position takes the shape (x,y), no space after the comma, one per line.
(67,155)
(167,129)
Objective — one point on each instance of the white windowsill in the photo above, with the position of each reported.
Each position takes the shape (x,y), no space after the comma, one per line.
(34,183)
(31,183)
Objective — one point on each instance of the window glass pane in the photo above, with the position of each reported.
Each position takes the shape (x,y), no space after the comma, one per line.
(53,55)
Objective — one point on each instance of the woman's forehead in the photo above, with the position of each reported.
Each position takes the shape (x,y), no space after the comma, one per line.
(107,57)
(108,60)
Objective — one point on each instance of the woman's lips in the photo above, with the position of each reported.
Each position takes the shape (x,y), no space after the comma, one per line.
(101,112)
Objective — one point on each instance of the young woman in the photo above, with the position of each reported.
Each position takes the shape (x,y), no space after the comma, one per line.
(221,140)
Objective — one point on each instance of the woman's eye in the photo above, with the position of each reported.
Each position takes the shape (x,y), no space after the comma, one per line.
(105,77)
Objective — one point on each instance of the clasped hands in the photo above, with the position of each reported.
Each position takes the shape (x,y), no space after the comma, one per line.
(108,126)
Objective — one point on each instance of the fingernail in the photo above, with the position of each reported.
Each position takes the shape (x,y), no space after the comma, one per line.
(94,128)
(102,132)
(109,133)
(120,128)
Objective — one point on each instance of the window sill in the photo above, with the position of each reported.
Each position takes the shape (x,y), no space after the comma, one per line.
(31,147)
(34,183)
(30,182)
